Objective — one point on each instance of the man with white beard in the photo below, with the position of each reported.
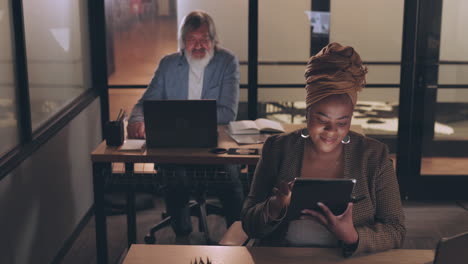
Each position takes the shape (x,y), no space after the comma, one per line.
(200,70)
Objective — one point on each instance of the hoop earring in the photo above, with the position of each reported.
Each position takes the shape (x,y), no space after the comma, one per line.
(346,140)
(305,133)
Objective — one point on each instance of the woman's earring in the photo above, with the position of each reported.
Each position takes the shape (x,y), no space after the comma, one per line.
(305,133)
(346,139)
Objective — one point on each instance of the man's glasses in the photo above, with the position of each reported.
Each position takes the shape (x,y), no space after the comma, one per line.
(194,41)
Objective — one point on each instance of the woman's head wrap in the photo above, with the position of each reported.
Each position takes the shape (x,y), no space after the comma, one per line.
(336,69)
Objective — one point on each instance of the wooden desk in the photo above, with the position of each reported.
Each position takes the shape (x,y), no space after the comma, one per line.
(103,156)
(142,254)
(104,153)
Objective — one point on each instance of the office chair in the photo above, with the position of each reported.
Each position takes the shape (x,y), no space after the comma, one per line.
(235,236)
(199,207)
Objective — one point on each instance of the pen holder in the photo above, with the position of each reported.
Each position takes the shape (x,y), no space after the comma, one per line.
(114,133)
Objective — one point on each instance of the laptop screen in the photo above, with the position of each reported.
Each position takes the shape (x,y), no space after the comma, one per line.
(180,123)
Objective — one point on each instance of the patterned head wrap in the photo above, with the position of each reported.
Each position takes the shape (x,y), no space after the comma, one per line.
(336,69)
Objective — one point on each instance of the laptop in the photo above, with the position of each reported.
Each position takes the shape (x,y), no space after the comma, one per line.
(180,123)
(452,250)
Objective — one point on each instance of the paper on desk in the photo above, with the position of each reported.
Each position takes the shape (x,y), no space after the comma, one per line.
(250,139)
(133,145)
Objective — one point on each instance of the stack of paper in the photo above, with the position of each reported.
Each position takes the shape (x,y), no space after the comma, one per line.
(254,127)
(133,145)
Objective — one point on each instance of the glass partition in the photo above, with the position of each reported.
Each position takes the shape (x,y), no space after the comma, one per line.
(8,105)
(56,34)
(282,55)
(373,28)
(139,34)
(452,103)
(448,147)
(143,33)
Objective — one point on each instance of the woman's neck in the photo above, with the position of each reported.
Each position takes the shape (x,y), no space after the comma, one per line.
(321,155)
(322,164)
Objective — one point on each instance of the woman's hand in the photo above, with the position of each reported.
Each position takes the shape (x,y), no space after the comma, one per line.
(341,226)
(280,199)
(136,130)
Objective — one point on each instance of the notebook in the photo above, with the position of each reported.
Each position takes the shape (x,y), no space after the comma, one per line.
(180,123)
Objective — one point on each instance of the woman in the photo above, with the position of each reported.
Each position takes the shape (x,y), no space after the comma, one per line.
(327,149)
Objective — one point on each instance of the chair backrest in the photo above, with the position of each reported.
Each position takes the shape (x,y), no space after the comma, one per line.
(452,250)
(234,236)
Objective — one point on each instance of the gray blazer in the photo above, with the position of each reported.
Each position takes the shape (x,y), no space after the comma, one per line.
(220,82)
(379,219)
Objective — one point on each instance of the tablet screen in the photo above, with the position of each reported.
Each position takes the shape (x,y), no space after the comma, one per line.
(306,193)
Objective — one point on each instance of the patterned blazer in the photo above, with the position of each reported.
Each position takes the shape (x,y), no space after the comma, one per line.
(379,219)
(220,82)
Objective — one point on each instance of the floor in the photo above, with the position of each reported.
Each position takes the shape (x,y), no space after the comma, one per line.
(426,223)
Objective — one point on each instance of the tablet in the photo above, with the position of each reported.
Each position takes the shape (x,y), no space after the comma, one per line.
(306,193)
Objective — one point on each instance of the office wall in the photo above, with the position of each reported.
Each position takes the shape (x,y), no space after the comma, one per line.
(43,200)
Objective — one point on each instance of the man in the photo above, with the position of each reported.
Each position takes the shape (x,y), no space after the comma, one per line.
(201,70)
